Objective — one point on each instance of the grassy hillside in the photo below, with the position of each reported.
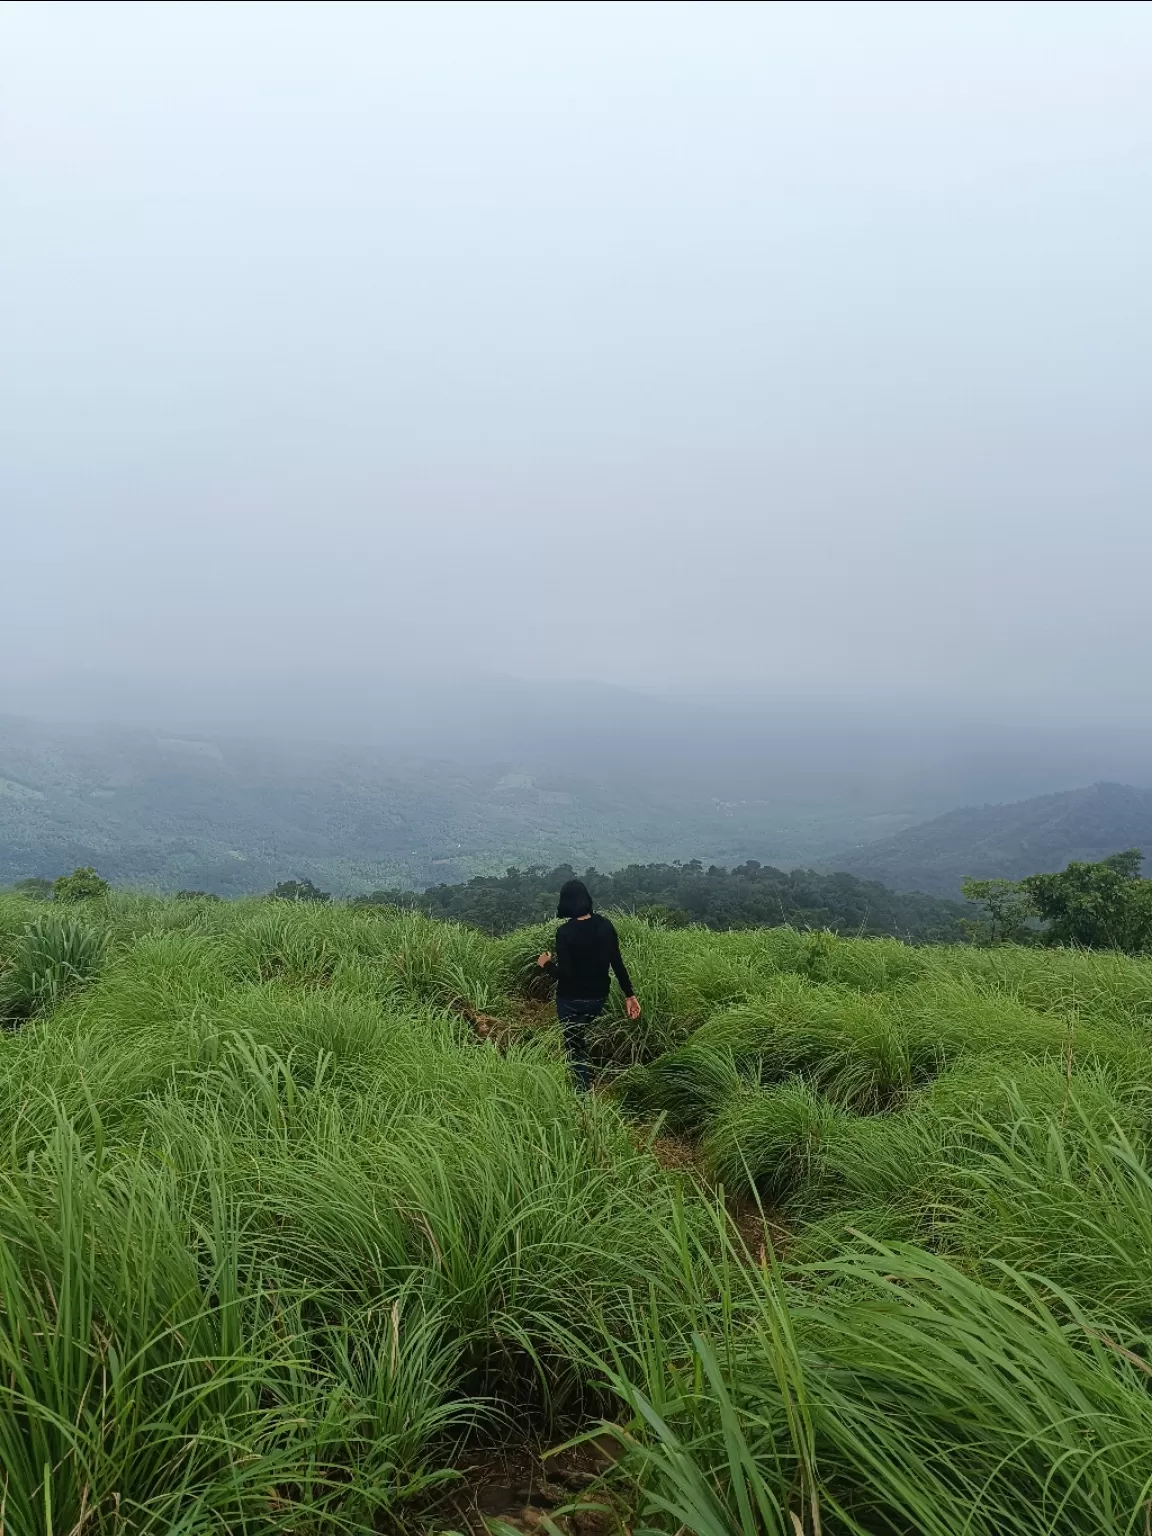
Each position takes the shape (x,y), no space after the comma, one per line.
(303,1229)
(1007,841)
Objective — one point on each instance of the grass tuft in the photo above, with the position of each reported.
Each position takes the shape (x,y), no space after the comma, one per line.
(54,956)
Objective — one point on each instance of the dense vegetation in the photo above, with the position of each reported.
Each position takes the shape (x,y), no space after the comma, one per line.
(749,896)
(1007,842)
(299,1218)
(1102,905)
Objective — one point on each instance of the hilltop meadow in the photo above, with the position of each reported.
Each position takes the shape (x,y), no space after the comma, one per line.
(303,1229)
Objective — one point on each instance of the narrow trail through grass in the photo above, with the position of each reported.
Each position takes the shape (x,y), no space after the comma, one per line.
(303,1229)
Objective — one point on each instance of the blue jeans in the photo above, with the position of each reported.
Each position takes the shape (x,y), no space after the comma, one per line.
(575,1015)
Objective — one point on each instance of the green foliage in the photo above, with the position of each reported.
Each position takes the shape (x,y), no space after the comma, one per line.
(83,884)
(686,1086)
(298,890)
(674,895)
(55,956)
(864,1052)
(271,1220)
(888,1391)
(284,1244)
(1101,906)
(1007,910)
(1096,906)
(770,1140)
(35,888)
(196,896)
(662,916)
(819,949)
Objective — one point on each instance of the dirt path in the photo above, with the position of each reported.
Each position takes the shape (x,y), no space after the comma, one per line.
(531,1489)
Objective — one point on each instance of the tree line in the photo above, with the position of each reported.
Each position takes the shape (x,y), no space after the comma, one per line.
(751,895)
(1101,905)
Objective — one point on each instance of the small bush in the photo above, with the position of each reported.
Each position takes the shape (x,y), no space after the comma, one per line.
(83,884)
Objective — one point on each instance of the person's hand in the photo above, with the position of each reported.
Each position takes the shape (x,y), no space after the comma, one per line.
(543,959)
(632,1006)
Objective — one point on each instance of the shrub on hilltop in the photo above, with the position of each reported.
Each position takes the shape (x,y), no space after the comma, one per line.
(82,884)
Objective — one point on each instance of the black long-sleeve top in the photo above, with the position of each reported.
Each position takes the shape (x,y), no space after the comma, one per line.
(586,949)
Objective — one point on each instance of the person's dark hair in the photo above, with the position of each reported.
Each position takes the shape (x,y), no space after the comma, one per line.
(574,899)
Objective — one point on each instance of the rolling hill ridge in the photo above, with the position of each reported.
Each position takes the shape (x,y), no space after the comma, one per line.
(1007,841)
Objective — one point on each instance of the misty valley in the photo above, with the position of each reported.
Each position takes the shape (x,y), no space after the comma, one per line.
(164,810)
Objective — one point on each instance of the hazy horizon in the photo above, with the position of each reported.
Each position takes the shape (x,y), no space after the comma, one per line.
(798,349)
(802,753)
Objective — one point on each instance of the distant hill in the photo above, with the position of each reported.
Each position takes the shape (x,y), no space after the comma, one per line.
(1007,841)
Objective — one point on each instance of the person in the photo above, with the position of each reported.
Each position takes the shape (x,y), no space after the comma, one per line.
(586,950)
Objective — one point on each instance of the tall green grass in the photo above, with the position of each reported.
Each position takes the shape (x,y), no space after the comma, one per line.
(884,1391)
(54,955)
(282,1242)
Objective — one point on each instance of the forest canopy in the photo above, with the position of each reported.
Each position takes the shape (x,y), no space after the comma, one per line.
(752,895)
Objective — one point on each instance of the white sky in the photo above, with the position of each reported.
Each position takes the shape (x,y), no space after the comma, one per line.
(798,344)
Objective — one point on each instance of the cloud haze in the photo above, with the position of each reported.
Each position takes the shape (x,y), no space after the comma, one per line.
(797,345)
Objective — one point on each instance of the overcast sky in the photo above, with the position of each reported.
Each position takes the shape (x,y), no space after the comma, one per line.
(798,344)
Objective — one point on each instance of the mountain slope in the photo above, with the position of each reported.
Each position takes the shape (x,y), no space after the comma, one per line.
(1008,841)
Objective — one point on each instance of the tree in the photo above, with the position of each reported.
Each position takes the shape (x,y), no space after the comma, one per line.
(196,896)
(1100,906)
(1007,908)
(36,888)
(82,884)
(299,890)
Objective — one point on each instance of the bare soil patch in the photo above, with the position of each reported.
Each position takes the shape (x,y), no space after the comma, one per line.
(532,1489)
